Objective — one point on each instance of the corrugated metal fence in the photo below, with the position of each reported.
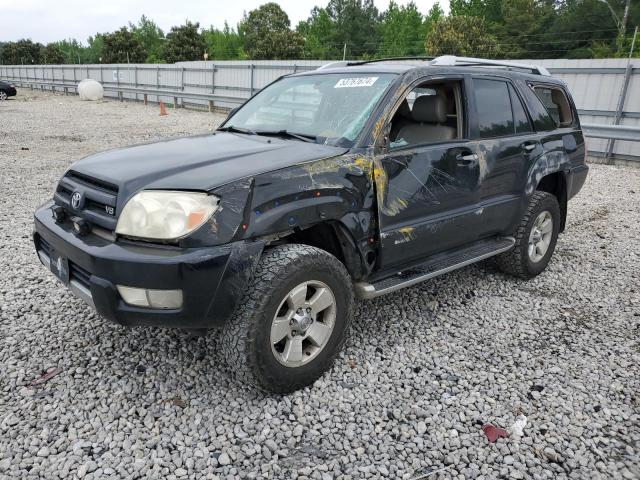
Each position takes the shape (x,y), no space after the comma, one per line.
(606,91)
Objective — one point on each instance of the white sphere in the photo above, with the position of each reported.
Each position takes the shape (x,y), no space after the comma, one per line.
(89,89)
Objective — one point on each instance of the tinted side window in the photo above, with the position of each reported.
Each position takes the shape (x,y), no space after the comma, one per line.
(519,114)
(556,104)
(541,120)
(494,108)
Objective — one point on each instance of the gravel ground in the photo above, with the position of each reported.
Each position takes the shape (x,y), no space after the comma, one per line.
(423,370)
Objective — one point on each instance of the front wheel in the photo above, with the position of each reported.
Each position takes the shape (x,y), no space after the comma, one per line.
(3,95)
(292,321)
(536,238)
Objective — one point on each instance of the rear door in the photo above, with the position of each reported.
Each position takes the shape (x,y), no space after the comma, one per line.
(506,146)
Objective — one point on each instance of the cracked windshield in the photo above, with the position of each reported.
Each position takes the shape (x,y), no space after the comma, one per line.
(327,108)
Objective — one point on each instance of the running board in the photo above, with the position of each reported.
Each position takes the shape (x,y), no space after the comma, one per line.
(434,267)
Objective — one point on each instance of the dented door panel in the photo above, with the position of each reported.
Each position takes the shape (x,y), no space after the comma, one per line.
(426,200)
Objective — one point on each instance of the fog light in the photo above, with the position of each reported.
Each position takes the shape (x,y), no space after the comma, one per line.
(58,213)
(143,297)
(80,226)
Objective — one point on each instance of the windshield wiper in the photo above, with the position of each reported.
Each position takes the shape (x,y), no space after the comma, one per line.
(286,133)
(231,128)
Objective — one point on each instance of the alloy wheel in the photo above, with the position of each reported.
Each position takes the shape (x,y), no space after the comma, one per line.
(540,236)
(303,323)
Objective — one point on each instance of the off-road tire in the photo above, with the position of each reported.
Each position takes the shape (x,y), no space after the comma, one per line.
(516,261)
(245,339)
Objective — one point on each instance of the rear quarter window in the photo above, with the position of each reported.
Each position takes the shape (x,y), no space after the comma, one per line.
(556,103)
(542,121)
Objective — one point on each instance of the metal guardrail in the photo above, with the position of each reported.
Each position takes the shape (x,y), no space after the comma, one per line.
(144,92)
(612,132)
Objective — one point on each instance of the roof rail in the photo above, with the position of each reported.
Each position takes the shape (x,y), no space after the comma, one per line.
(388,59)
(452,60)
(333,65)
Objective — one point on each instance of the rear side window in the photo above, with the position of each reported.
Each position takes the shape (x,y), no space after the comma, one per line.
(556,103)
(542,121)
(494,108)
(520,118)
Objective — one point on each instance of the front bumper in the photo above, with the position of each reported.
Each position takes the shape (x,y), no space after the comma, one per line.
(212,278)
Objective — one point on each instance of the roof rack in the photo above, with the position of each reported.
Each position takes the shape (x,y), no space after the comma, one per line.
(446,60)
(388,59)
(452,60)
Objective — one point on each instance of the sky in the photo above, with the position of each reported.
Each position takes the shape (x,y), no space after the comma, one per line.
(49,20)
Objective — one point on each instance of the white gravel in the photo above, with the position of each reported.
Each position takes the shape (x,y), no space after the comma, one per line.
(423,370)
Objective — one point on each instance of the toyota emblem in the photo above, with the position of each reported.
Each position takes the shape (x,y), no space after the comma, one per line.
(76,198)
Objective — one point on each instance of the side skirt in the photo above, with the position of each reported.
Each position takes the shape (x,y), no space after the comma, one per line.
(435,266)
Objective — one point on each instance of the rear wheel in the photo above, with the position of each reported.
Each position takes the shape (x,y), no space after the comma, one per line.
(536,238)
(292,321)
(3,95)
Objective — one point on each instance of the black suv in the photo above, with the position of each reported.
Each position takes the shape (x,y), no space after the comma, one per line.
(354,180)
(7,90)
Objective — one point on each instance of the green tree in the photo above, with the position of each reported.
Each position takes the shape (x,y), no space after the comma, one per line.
(523,27)
(225,44)
(355,25)
(435,13)
(150,36)
(22,52)
(489,10)
(402,31)
(317,31)
(71,51)
(184,43)
(93,53)
(122,46)
(52,54)
(267,34)
(582,27)
(461,35)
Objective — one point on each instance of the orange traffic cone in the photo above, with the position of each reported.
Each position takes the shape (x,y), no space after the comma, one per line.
(163,110)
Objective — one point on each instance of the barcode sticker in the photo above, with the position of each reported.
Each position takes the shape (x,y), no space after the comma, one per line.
(354,82)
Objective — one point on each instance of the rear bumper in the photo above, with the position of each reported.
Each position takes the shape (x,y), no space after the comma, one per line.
(575,180)
(11,92)
(212,278)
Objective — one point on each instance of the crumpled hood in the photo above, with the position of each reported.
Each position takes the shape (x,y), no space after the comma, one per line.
(200,162)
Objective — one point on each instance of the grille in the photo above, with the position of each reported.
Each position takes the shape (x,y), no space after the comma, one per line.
(94,182)
(98,199)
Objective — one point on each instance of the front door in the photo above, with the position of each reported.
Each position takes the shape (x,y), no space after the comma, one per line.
(428,181)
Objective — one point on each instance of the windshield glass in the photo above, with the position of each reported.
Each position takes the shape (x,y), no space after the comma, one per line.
(329,108)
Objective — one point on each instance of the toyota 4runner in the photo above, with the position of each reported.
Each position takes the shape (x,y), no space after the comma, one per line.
(351,181)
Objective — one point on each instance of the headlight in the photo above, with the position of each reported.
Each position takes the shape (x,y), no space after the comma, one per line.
(165,215)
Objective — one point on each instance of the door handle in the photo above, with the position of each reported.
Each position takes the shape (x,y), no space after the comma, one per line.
(529,147)
(464,160)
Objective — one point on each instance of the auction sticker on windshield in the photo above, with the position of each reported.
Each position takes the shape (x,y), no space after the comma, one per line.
(355,82)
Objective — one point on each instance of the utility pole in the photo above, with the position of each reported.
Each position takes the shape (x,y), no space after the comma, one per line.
(625,17)
(621,23)
(344,52)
